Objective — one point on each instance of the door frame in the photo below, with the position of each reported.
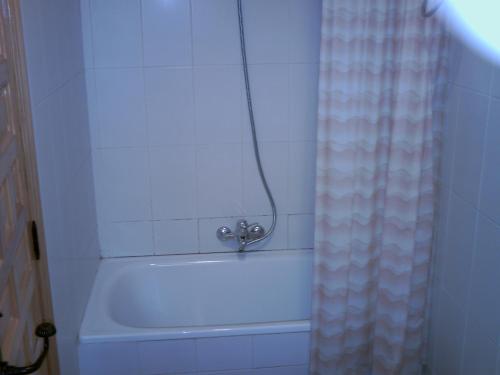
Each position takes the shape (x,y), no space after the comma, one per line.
(28,155)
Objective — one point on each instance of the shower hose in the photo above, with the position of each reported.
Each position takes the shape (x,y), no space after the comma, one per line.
(252,126)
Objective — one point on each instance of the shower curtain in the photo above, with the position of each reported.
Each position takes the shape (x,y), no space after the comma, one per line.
(381,75)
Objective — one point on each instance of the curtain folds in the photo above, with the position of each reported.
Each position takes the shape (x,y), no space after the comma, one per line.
(381,76)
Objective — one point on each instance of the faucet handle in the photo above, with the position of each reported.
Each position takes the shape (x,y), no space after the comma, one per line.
(256,231)
(225,234)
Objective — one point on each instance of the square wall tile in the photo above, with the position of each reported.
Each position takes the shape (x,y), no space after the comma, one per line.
(270,96)
(469,143)
(305,30)
(173,182)
(474,72)
(218,92)
(167,357)
(484,302)
(215,32)
(224,353)
(301,178)
(219,186)
(267,30)
(303,118)
(459,248)
(121,107)
(116,29)
(176,237)
(490,185)
(122,184)
(166,32)
(133,238)
(301,231)
(495,85)
(480,352)
(109,359)
(281,349)
(450,334)
(274,157)
(448,135)
(170,106)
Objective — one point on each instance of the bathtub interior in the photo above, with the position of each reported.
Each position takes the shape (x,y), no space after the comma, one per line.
(213,292)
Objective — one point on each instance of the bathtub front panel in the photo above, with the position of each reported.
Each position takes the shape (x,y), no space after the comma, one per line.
(279,354)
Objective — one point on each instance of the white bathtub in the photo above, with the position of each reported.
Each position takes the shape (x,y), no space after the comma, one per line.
(218,302)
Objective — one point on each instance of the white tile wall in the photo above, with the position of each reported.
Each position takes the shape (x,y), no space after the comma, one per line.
(166,32)
(54,51)
(170,127)
(277,354)
(116,33)
(169,106)
(465,329)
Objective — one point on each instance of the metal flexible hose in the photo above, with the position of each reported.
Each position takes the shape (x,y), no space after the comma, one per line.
(252,126)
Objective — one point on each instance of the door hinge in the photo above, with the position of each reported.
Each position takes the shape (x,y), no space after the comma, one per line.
(36,242)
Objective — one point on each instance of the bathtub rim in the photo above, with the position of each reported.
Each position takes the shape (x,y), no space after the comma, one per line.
(116,332)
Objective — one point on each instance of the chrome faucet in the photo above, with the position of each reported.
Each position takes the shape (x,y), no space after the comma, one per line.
(245,234)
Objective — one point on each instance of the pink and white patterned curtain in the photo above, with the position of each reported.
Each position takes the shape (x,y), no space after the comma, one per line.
(381,68)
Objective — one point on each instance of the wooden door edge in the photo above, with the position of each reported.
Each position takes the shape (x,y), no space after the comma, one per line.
(26,137)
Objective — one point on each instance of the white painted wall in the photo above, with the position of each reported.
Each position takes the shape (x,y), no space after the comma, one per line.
(170,133)
(53,40)
(465,324)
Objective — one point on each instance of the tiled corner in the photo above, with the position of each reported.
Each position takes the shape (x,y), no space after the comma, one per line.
(122,184)
(120,107)
(133,238)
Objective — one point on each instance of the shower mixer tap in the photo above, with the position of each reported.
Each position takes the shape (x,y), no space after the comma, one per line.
(244,233)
